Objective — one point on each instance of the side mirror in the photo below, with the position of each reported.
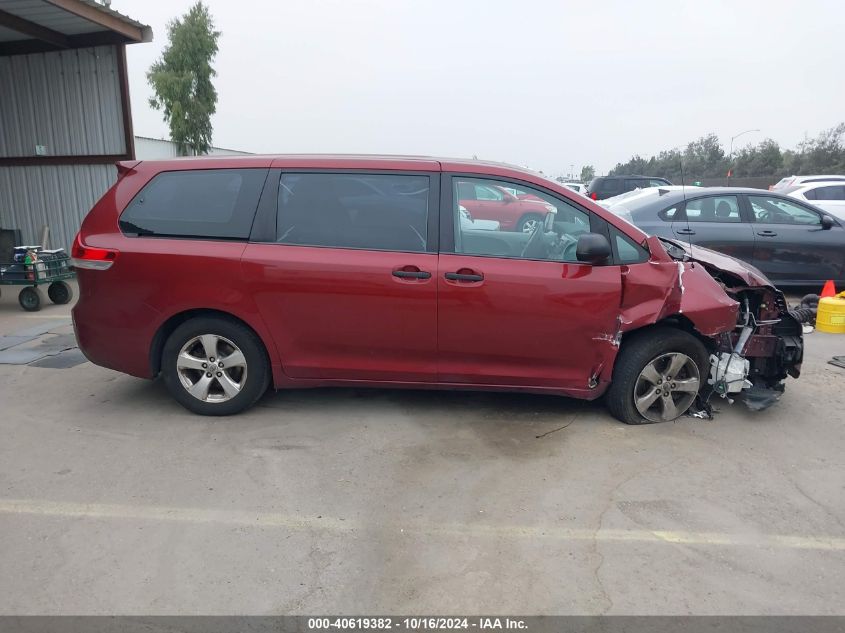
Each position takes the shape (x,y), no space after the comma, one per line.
(509,197)
(592,248)
(827,222)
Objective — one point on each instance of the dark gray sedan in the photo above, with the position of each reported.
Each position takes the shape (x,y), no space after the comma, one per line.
(792,243)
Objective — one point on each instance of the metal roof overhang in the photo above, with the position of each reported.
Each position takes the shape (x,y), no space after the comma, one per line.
(35,26)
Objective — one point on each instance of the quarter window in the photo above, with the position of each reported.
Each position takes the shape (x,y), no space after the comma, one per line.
(772,210)
(626,250)
(517,225)
(200,203)
(387,212)
(713,209)
(671,214)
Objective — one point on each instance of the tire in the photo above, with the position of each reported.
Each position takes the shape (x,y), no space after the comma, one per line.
(59,292)
(526,219)
(30,299)
(631,380)
(228,389)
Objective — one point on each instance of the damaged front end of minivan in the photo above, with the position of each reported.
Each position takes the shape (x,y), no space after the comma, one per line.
(753,340)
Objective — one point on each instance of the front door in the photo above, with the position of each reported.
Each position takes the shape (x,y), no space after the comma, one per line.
(518,309)
(348,288)
(791,244)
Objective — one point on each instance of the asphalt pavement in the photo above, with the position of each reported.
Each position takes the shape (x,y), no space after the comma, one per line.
(115,500)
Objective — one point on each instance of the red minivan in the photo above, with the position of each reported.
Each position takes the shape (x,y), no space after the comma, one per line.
(228,275)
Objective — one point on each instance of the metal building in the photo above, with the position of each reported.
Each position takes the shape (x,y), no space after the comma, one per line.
(65,117)
(147,148)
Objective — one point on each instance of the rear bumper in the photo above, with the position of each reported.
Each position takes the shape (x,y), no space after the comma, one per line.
(116,342)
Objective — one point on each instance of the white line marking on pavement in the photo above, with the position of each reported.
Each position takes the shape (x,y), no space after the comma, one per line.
(331,524)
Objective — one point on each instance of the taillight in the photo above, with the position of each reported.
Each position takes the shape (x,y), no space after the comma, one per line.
(91,258)
(594,196)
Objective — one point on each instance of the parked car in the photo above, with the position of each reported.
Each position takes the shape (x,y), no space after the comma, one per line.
(227,275)
(789,241)
(514,209)
(576,187)
(608,186)
(828,195)
(630,196)
(794,181)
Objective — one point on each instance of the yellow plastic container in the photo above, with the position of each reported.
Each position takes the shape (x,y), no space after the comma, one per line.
(831,314)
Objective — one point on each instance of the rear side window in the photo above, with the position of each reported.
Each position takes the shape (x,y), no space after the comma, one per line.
(713,209)
(201,203)
(385,212)
(834,192)
(611,186)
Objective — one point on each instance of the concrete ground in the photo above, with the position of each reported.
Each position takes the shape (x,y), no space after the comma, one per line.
(113,499)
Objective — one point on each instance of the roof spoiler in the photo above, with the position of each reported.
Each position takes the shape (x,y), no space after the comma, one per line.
(126,167)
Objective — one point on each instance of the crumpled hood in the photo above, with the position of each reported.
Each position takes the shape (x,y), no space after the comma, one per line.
(725,263)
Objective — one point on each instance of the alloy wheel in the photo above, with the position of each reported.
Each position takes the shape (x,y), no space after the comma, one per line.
(529,226)
(211,368)
(666,387)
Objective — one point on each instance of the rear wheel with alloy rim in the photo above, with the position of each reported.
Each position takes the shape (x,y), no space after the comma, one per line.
(657,376)
(215,366)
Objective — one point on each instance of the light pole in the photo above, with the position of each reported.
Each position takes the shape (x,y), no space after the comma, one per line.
(731,152)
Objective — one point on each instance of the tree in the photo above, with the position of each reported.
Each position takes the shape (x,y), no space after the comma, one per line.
(588,172)
(181,79)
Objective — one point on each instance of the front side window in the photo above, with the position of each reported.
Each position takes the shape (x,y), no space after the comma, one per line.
(713,209)
(529,224)
(199,203)
(386,212)
(772,210)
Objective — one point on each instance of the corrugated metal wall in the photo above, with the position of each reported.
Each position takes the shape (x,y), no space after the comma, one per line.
(58,196)
(68,101)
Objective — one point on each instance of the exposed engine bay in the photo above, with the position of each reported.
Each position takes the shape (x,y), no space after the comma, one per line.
(766,345)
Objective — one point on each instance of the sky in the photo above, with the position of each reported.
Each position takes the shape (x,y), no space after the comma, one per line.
(540,83)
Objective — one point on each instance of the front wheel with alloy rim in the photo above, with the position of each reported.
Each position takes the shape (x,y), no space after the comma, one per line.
(528,223)
(657,376)
(215,366)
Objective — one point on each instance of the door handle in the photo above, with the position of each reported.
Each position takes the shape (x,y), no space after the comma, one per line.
(685,231)
(766,233)
(464,277)
(412,274)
